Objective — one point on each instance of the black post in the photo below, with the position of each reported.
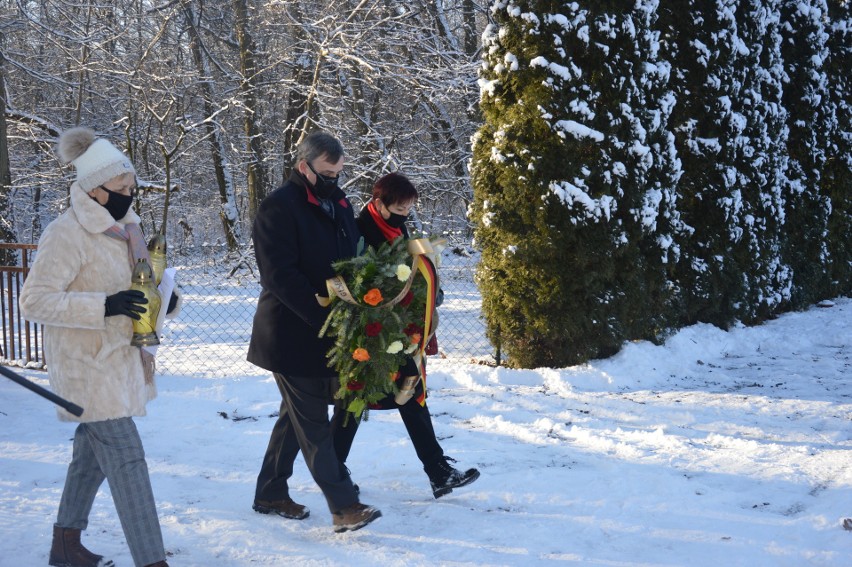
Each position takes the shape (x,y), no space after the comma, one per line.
(61,402)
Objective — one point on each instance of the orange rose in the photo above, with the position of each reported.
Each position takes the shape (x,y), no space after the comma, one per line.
(373,297)
(415,338)
(361,355)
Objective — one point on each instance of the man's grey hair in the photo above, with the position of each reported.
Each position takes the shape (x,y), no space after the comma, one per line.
(317,145)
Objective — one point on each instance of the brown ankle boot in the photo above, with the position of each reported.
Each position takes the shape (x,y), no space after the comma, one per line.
(67,551)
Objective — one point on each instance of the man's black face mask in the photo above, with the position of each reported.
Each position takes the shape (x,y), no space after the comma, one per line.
(324,185)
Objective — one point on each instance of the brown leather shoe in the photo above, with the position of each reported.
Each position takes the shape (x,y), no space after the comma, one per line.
(354,517)
(285,508)
(67,551)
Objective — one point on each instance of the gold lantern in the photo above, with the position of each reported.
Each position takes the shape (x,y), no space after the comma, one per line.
(157,252)
(144,329)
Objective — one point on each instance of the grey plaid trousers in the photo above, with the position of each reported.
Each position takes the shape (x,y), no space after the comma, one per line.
(113,450)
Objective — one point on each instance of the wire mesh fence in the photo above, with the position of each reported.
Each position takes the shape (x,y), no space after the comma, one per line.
(219,304)
(220,300)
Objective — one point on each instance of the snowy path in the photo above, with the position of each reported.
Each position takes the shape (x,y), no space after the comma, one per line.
(718,448)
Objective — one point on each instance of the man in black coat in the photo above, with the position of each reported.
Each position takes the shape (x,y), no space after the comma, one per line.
(300,229)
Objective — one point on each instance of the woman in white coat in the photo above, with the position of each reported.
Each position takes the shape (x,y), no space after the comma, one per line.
(78,288)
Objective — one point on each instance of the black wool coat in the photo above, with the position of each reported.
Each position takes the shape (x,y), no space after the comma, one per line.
(295,243)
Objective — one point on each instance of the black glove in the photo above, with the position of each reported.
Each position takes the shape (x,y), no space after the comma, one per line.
(128,302)
(172,303)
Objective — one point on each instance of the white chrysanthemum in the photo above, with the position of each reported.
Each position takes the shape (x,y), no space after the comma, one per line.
(403,272)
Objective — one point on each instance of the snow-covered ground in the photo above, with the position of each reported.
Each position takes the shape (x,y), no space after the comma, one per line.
(718,448)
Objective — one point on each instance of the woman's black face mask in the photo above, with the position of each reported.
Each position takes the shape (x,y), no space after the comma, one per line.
(395,220)
(117,204)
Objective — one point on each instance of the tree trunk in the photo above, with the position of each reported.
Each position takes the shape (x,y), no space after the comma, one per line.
(296,114)
(257,186)
(471,37)
(7,232)
(229,213)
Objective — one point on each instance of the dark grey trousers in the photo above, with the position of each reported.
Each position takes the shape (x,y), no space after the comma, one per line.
(277,466)
(112,450)
(303,425)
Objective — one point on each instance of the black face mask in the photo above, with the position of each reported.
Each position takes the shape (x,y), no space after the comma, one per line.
(117,204)
(396,220)
(324,186)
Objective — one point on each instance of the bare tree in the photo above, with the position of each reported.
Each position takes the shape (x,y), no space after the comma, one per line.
(218,152)
(211,98)
(397,82)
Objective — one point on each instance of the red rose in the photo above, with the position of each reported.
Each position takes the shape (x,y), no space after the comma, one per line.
(406,299)
(354,385)
(373,329)
(413,329)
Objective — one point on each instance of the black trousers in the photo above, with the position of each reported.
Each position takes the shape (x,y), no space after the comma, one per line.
(418,423)
(303,425)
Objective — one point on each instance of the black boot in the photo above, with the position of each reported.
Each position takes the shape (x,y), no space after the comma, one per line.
(67,551)
(444,477)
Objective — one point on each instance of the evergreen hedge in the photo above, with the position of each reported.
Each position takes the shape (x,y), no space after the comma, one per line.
(640,162)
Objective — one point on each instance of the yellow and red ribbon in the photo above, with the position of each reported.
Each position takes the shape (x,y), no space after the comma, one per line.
(430,325)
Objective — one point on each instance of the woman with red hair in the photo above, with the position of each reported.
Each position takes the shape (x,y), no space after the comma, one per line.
(383,220)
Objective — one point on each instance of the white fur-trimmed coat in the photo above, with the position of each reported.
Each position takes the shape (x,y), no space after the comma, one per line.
(89,358)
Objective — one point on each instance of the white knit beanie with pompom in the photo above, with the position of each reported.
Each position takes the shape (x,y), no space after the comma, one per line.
(95,159)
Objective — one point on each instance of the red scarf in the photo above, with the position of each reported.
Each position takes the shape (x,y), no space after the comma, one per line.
(390,233)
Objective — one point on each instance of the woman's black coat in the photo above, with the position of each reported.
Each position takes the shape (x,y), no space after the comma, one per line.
(370,230)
